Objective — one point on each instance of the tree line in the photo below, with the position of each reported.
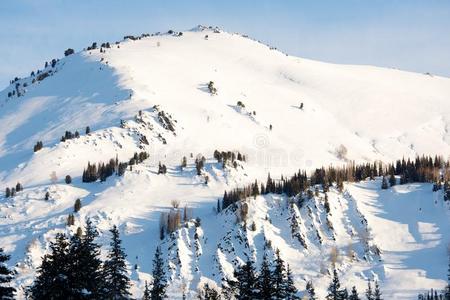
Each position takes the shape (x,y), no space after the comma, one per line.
(102,171)
(422,169)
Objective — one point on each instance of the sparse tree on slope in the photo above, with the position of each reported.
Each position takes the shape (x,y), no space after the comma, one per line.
(117,283)
(6,275)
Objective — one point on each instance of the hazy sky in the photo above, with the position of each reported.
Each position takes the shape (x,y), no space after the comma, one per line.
(406,34)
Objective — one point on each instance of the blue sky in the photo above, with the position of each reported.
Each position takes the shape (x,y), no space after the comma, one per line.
(411,35)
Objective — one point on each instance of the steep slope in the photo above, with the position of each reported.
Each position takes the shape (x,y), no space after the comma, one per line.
(152,95)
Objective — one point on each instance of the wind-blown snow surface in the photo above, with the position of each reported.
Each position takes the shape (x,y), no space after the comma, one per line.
(374,113)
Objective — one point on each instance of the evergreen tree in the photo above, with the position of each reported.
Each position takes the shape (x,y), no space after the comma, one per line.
(334,289)
(279,278)
(265,290)
(116,281)
(77,205)
(369,292)
(87,264)
(311,291)
(208,293)
(354,295)
(447,288)
(6,275)
(146,295)
(377,292)
(384,184)
(52,281)
(291,290)
(159,278)
(246,281)
(392,180)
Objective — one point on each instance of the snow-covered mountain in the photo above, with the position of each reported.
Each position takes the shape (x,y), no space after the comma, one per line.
(187,94)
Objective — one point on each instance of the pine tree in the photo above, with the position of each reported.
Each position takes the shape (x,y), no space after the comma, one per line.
(146,295)
(334,289)
(158,290)
(265,290)
(447,288)
(52,281)
(246,283)
(377,293)
(88,275)
(291,290)
(208,293)
(392,180)
(6,275)
(116,279)
(354,295)
(279,278)
(369,293)
(311,291)
(77,205)
(384,184)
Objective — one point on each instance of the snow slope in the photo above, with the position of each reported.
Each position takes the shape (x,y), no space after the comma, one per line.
(374,113)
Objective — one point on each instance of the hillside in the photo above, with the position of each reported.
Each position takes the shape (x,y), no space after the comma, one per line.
(283,113)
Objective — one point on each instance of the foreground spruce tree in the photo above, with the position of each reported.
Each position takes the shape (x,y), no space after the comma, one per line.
(87,265)
(246,281)
(6,275)
(116,279)
(291,290)
(279,278)
(52,281)
(311,291)
(265,290)
(208,293)
(334,289)
(377,292)
(146,295)
(354,294)
(447,288)
(158,290)
(369,292)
